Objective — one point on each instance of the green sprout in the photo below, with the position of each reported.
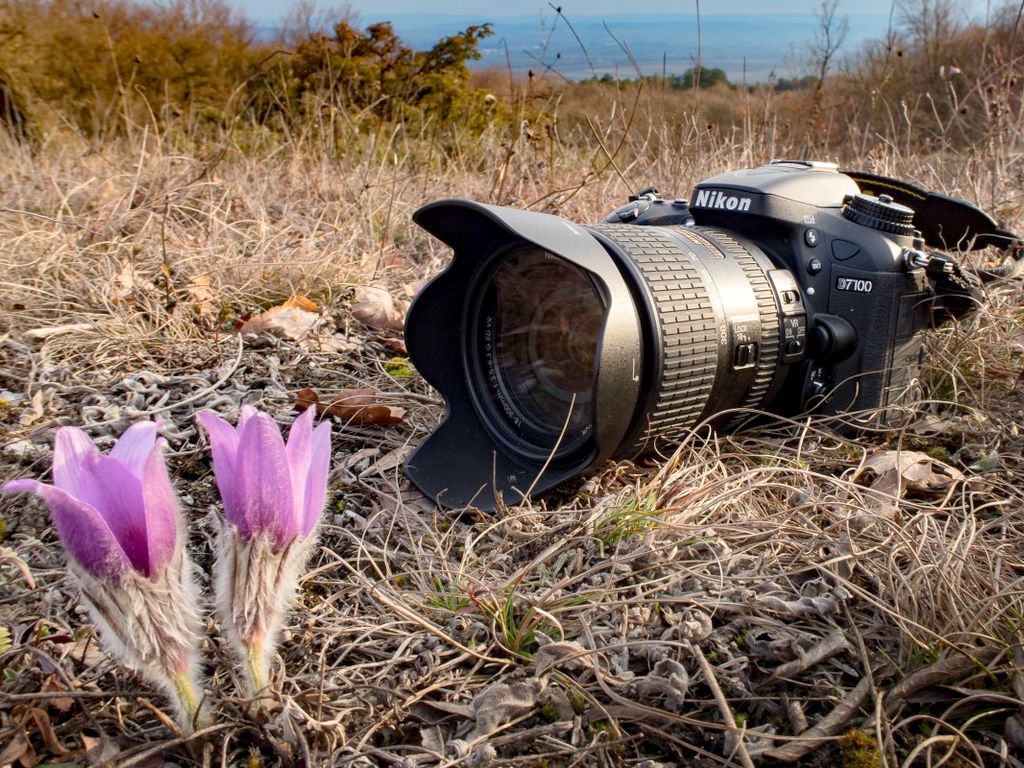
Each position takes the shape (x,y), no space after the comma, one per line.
(444,598)
(399,368)
(634,517)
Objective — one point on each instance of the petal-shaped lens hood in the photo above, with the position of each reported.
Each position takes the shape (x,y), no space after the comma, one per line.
(464,461)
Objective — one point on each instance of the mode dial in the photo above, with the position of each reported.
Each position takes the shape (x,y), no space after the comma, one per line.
(879,213)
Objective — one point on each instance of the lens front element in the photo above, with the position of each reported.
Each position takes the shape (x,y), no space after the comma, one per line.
(540,324)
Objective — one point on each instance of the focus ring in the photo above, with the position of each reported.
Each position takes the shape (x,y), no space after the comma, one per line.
(686,318)
(767,309)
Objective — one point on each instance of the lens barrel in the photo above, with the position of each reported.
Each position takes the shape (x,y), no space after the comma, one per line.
(558,346)
(713,323)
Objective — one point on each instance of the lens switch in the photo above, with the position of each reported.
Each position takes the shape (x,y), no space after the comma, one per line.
(744,356)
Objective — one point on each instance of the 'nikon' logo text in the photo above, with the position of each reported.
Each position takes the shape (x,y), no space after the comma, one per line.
(713,198)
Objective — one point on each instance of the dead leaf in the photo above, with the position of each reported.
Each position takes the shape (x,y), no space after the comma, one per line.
(432,739)
(900,472)
(333,344)
(353,406)
(127,283)
(58,330)
(89,743)
(822,605)
(45,728)
(123,282)
(931,425)
(87,653)
(241,320)
(61,703)
(200,293)
(363,454)
(17,748)
(499,703)
(403,495)
(306,397)
(36,410)
(99,750)
(434,712)
(413,288)
(397,346)
(376,307)
(302,302)
(291,320)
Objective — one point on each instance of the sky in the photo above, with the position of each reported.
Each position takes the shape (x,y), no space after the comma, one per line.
(750,40)
(482,10)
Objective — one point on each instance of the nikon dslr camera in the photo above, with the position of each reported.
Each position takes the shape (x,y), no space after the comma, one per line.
(788,288)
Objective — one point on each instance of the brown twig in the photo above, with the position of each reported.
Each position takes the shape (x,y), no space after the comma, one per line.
(826,728)
(723,707)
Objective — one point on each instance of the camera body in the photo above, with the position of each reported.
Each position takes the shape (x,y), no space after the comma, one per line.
(854,334)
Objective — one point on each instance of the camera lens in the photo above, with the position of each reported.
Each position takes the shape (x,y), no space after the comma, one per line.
(558,346)
(538,325)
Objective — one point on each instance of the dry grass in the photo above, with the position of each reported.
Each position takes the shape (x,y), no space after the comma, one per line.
(703,608)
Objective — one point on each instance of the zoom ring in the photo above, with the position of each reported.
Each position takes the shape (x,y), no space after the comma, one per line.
(689,330)
(767,309)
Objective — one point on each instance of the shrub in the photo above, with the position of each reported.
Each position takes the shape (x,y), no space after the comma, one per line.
(373,74)
(121,64)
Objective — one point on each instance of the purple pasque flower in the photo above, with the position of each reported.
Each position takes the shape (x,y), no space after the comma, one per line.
(270,487)
(115,514)
(273,494)
(117,517)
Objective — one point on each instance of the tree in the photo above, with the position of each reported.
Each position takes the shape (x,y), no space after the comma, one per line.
(829,36)
(709,77)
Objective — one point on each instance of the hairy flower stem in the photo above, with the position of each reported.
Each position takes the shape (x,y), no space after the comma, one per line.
(256,666)
(273,493)
(255,586)
(151,626)
(188,701)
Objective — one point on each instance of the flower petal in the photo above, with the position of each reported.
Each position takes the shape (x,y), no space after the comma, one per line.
(120,502)
(83,531)
(262,482)
(247,412)
(135,445)
(22,485)
(224,447)
(298,451)
(316,481)
(161,504)
(71,447)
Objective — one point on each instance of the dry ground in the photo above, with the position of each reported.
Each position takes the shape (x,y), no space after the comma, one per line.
(749,599)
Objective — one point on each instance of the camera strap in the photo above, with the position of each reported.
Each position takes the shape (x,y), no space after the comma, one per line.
(945,222)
